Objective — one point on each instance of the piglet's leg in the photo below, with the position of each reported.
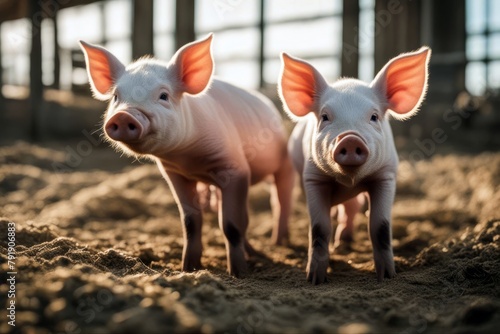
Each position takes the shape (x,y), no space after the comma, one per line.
(346,213)
(188,201)
(318,204)
(281,200)
(381,200)
(233,220)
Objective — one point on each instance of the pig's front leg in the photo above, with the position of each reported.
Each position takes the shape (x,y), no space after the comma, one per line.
(318,203)
(233,220)
(381,199)
(188,201)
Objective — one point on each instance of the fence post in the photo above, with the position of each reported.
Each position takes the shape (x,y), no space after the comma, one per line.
(36,85)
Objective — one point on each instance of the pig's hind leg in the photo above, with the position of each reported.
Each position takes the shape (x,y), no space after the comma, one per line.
(209,197)
(233,220)
(188,200)
(346,213)
(281,201)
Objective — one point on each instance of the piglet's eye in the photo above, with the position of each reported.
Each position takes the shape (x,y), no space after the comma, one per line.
(115,98)
(374,118)
(324,117)
(164,96)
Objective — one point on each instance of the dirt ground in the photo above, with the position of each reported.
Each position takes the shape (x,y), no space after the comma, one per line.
(99,250)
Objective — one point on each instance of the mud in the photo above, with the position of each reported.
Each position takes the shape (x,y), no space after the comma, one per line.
(99,251)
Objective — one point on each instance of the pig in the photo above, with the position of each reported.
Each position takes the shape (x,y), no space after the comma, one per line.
(197,129)
(342,148)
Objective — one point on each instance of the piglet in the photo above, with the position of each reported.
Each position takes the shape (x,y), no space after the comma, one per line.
(343,146)
(197,129)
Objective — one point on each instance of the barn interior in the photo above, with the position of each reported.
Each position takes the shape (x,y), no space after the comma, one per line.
(45,91)
(98,235)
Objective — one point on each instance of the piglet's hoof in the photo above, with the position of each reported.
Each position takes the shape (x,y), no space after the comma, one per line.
(191,264)
(316,272)
(238,271)
(384,265)
(237,263)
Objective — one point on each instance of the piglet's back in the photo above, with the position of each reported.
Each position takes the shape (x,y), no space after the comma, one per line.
(247,119)
(246,109)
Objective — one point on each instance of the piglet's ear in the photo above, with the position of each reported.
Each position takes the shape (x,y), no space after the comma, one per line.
(194,65)
(403,82)
(299,86)
(103,68)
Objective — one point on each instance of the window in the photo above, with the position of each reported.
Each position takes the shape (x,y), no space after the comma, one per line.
(236,42)
(366,39)
(117,31)
(163,28)
(16,44)
(290,26)
(482,46)
(107,23)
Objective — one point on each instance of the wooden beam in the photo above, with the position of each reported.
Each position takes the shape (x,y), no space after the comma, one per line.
(104,37)
(1,67)
(350,39)
(261,45)
(142,29)
(305,56)
(18,9)
(36,84)
(184,22)
(277,22)
(57,60)
(397,29)
(448,37)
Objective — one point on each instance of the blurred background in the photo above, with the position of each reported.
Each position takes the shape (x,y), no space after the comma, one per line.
(45,97)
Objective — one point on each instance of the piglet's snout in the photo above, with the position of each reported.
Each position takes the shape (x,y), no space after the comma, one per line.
(126,127)
(350,151)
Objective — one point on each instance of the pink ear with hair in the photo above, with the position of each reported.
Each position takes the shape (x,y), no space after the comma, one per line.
(299,85)
(194,65)
(403,82)
(103,69)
